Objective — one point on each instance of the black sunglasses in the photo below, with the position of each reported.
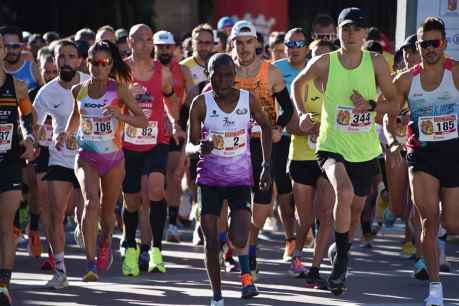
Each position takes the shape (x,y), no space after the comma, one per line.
(295,43)
(434,43)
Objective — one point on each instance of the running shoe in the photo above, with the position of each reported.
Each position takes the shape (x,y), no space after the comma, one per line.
(337,278)
(198,238)
(58,281)
(408,250)
(91,275)
(49,264)
(173,234)
(144,261)
(367,240)
(296,267)
(78,236)
(289,249)
(104,257)
(130,265)
(156,261)
(5,297)
(420,270)
(248,289)
(34,244)
(217,303)
(435,297)
(231,265)
(389,218)
(314,281)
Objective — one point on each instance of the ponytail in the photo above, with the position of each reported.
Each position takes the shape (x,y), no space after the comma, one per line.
(121,71)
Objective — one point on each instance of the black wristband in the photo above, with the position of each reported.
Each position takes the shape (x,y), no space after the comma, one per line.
(372,104)
(169,94)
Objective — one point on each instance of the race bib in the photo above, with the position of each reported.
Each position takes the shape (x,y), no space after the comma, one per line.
(142,136)
(312,141)
(437,128)
(229,143)
(45,137)
(98,129)
(6,136)
(350,122)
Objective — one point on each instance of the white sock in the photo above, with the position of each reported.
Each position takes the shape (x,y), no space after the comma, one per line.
(60,262)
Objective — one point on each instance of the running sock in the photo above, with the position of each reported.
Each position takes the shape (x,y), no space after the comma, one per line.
(158,215)
(217,297)
(253,250)
(60,266)
(173,212)
(244,263)
(34,220)
(92,266)
(144,248)
(5,277)
(342,243)
(131,220)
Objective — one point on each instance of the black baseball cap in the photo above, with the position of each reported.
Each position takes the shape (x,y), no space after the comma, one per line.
(353,15)
(410,42)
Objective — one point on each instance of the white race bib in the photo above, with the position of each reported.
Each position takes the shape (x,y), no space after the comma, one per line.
(46,135)
(142,136)
(98,128)
(437,128)
(348,121)
(229,143)
(6,136)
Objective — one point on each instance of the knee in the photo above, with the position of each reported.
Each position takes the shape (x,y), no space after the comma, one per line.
(92,201)
(239,241)
(156,192)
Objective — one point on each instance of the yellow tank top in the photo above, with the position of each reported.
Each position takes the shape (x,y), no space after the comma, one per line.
(304,147)
(259,87)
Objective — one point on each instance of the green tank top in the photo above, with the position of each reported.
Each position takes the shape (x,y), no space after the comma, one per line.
(351,135)
(304,147)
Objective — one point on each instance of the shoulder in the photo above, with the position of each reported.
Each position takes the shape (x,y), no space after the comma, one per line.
(76,89)
(280,63)
(403,79)
(45,89)
(187,61)
(20,88)
(274,71)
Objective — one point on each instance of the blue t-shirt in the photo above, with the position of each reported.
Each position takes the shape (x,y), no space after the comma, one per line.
(289,73)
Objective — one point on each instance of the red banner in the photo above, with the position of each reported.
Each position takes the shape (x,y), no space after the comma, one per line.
(266,15)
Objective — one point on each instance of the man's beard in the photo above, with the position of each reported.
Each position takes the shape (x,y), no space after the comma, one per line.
(165,59)
(12,58)
(67,75)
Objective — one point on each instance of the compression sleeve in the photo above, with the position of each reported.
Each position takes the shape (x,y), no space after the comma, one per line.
(283,98)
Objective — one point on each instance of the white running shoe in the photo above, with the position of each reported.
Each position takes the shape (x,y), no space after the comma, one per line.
(215,303)
(58,281)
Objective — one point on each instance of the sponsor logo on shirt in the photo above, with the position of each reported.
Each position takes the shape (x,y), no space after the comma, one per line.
(227,122)
(93,105)
(241,111)
(214,114)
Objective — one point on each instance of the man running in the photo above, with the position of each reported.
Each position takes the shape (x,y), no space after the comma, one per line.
(266,83)
(431,89)
(222,117)
(348,144)
(55,99)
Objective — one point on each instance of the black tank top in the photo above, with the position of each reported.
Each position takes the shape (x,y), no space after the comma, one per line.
(9,119)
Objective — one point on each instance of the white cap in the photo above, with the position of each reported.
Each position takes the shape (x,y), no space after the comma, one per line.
(242,24)
(163,38)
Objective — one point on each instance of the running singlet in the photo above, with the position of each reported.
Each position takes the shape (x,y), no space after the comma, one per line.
(342,131)
(304,147)
(9,121)
(433,114)
(152,104)
(289,72)
(178,81)
(98,133)
(229,163)
(197,71)
(25,74)
(259,87)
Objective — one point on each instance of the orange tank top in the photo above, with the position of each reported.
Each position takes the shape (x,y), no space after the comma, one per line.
(259,87)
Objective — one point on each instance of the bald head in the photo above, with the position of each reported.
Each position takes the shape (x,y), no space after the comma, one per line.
(141,41)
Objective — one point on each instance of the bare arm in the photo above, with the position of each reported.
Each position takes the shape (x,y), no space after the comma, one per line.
(74,121)
(36,74)
(197,114)
(138,119)
(262,119)
(391,104)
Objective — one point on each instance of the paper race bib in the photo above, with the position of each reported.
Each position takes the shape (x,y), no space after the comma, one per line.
(312,141)
(45,137)
(229,143)
(437,128)
(98,129)
(348,121)
(142,136)
(6,136)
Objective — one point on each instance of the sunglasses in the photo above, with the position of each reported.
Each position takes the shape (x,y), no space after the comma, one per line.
(102,62)
(13,46)
(434,43)
(295,44)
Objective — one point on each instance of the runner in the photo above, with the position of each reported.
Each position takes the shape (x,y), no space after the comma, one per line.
(146,152)
(266,83)
(222,116)
(24,70)
(55,99)
(15,107)
(347,152)
(431,89)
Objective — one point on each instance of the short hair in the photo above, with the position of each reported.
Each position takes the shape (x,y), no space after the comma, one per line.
(106,28)
(323,20)
(85,34)
(323,43)
(12,30)
(34,38)
(51,36)
(204,27)
(374,46)
(222,37)
(64,43)
(44,52)
(276,38)
(45,59)
(374,34)
(432,24)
